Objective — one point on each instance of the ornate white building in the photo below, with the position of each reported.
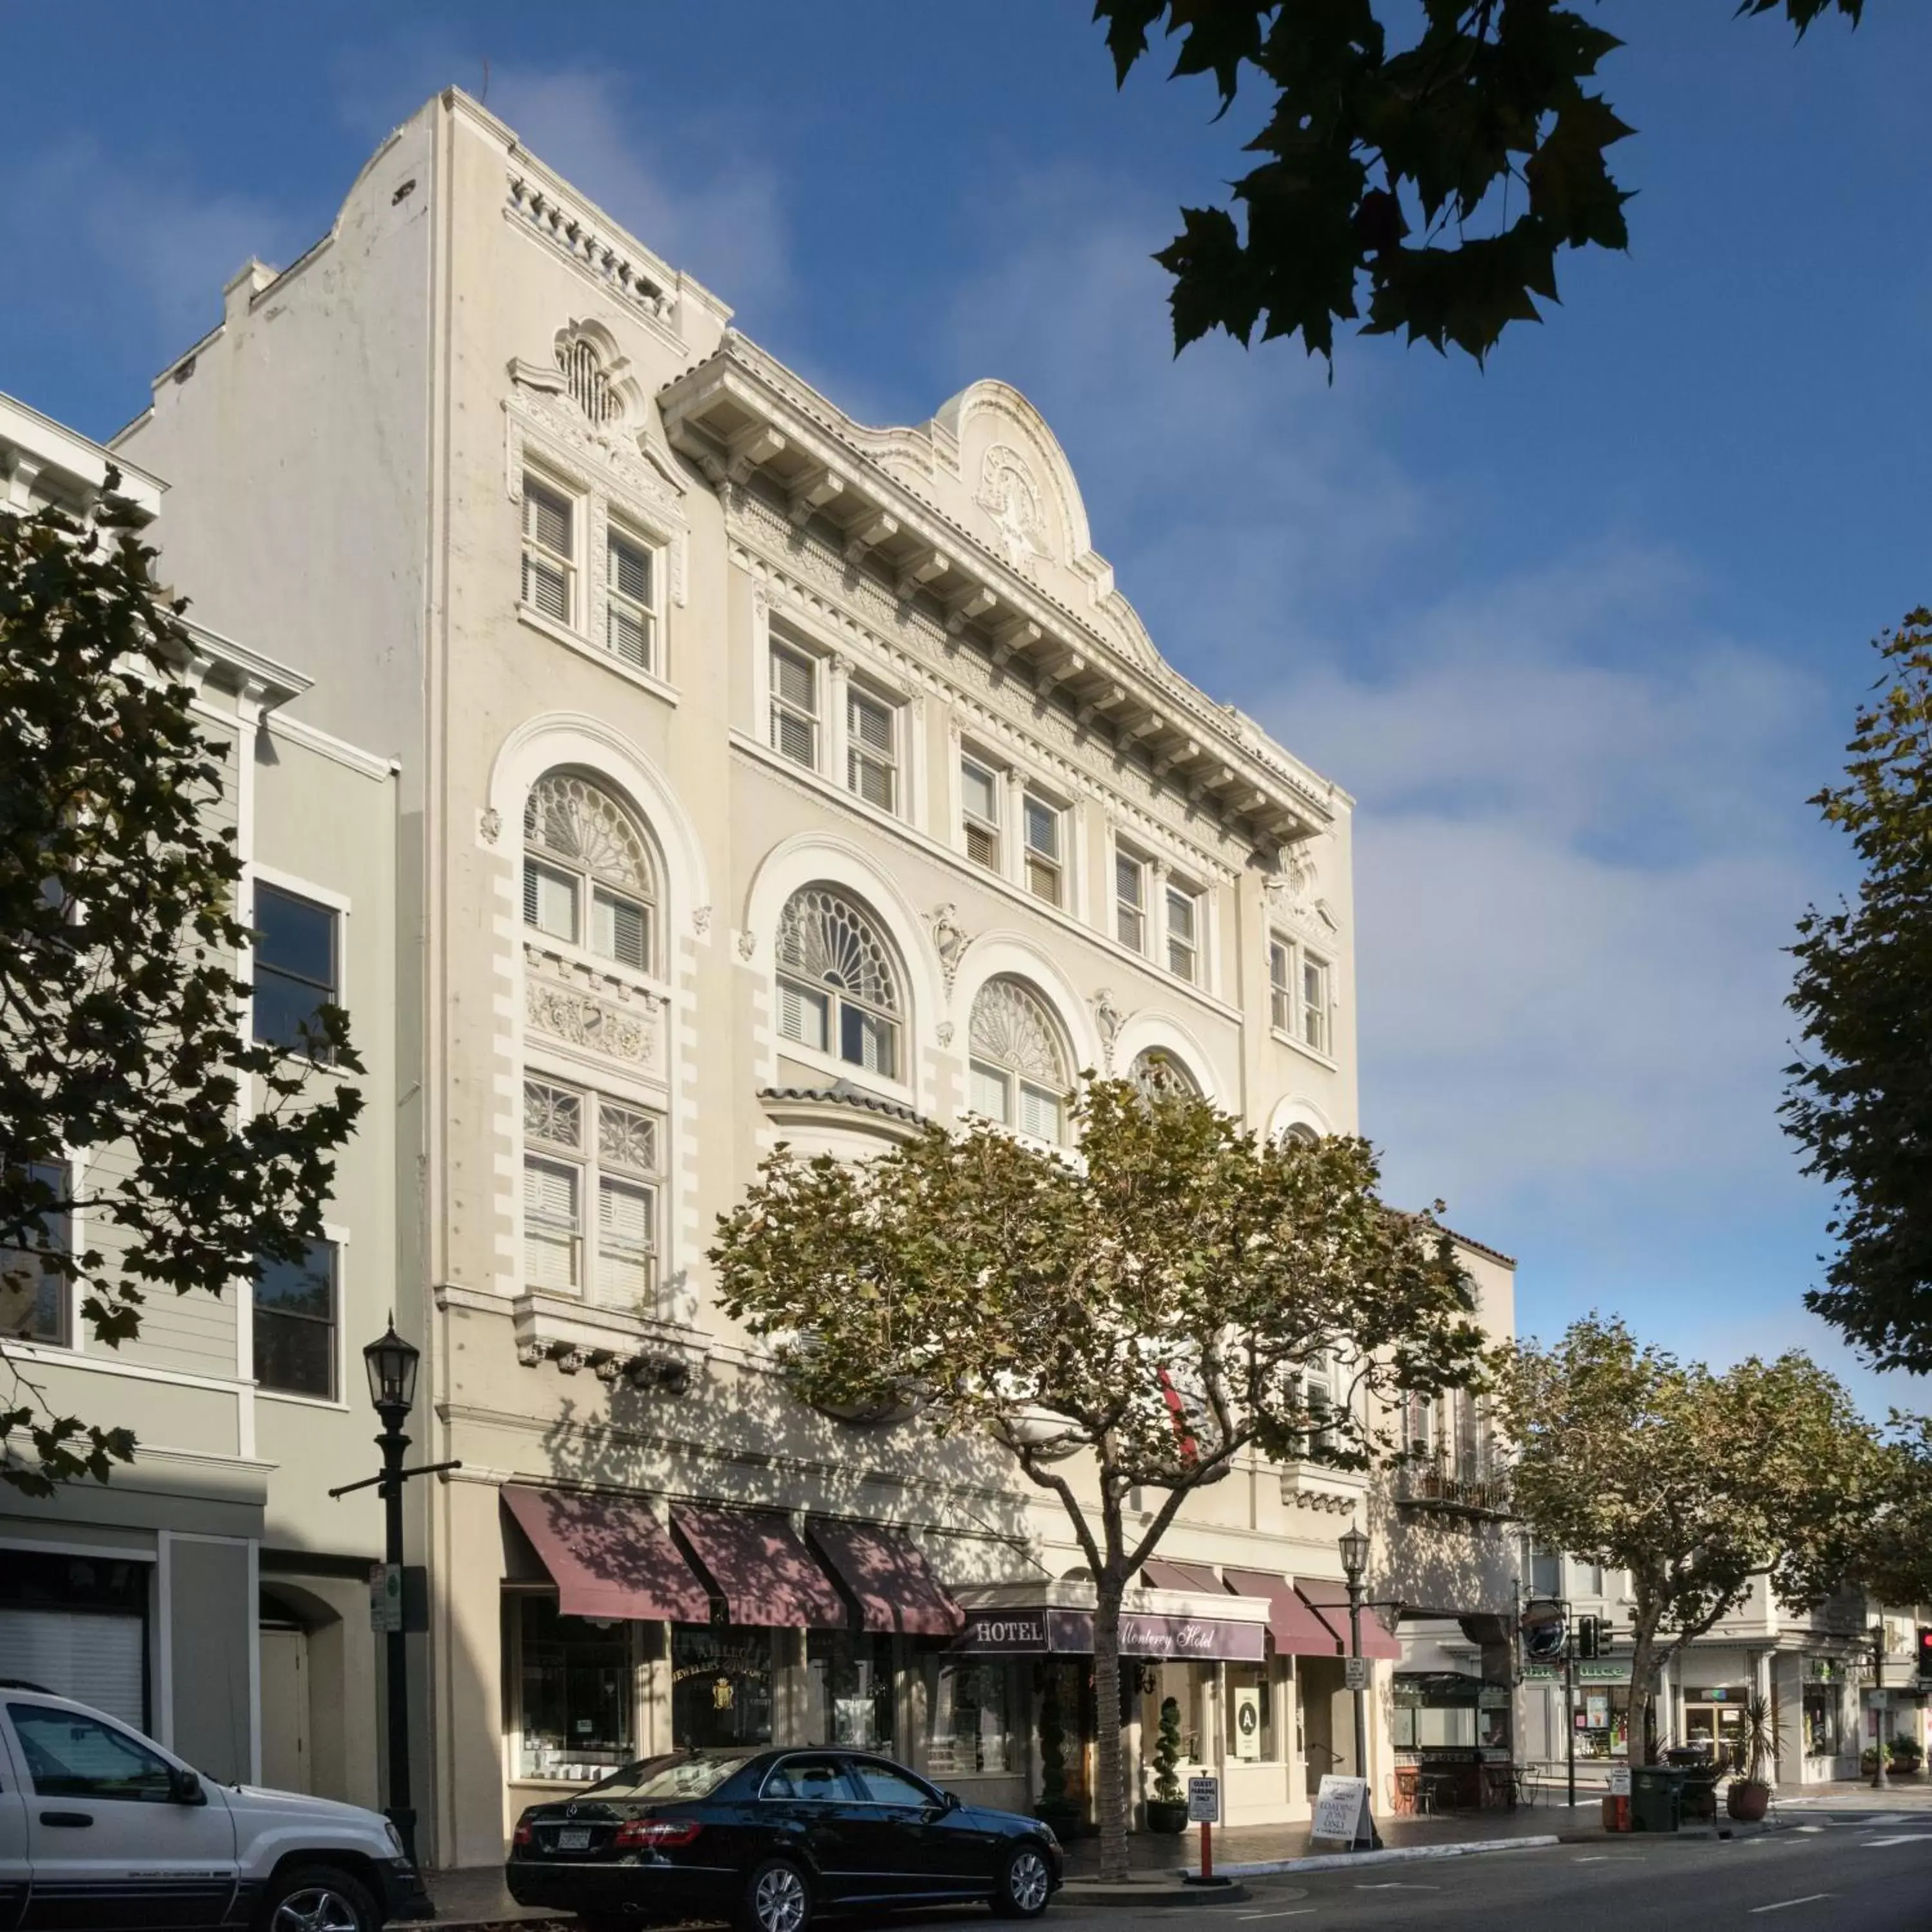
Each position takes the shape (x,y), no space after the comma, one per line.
(765,777)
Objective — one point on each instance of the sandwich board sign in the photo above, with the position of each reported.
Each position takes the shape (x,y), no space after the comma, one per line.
(1342,1815)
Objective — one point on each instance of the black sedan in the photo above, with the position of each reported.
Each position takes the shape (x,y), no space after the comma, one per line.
(767,1841)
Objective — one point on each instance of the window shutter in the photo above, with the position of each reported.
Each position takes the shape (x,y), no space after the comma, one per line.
(629,637)
(546,516)
(988,1092)
(1039,1113)
(530,878)
(630,570)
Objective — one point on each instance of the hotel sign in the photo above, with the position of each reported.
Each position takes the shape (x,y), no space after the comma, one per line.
(1035,1633)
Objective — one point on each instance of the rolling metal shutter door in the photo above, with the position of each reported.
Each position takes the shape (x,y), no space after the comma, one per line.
(98,1658)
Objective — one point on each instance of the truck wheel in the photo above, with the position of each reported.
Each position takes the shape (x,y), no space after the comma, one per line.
(319,1898)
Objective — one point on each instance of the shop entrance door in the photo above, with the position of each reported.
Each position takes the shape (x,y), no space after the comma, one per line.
(1318,1684)
(1718,1726)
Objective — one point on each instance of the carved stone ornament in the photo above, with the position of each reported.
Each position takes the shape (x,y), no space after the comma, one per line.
(944,1030)
(949,939)
(1109,1019)
(580,1018)
(1008,494)
(700,921)
(1294,892)
(748,944)
(491,824)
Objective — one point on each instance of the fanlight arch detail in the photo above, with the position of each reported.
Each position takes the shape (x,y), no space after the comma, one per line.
(1013,1028)
(574,819)
(1156,1072)
(838,987)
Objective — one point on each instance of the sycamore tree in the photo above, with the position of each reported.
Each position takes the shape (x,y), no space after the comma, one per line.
(1858,1099)
(1132,1317)
(132,1105)
(1695,1482)
(1438,178)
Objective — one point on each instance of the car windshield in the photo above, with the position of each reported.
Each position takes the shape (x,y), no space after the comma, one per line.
(666,1779)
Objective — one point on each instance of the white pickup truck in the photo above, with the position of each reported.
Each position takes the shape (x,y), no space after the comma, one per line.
(99,1827)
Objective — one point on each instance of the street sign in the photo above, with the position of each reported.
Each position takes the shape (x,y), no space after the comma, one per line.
(386,1597)
(1341,1814)
(1620,1780)
(1358,1673)
(1204,1800)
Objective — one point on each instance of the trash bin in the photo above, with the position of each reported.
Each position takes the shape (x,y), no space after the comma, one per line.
(1656,1797)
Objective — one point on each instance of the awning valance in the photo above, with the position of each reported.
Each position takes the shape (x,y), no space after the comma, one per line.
(1038,1630)
(761,1569)
(608,1555)
(887,1576)
(1329,1600)
(1297,1631)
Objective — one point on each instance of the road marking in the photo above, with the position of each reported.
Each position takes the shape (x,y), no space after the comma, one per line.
(1610,1858)
(1397,1885)
(1905,1838)
(1811,1828)
(1299,1911)
(1785,1904)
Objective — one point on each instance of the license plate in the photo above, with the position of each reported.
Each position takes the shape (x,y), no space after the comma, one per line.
(574,1838)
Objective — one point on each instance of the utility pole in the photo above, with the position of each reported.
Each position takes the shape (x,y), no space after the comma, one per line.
(1880,1781)
(1569,1708)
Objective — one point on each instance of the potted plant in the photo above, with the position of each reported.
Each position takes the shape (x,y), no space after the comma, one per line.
(1746,1797)
(1167,1810)
(1906,1756)
(1054,1808)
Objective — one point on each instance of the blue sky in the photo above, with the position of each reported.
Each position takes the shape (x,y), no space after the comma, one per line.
(1581,634)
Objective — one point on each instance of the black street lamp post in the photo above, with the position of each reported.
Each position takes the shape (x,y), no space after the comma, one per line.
(392,1363)
(1354,1546)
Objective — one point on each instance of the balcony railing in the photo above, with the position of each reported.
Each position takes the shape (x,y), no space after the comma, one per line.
(1432,1486)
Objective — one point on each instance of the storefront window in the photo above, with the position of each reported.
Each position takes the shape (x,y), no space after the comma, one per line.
(850,1699)
(721,1683)
(577,1687)
(1822,1737)
(1251,1713)
(972,1729)
(1191,1686)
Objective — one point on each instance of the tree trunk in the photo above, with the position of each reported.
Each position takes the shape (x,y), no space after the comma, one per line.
(1642,1691)
(1110,1793)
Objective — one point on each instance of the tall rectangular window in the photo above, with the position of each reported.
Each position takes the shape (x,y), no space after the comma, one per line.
(33,1291)
(1315,1029)
(1130,901)
(872,749)
(550,900)
(550,556)
(295,1318)
(1183,941)
(295,970)
(1281,986)
(631,620)
(979,810)
(1045,873)
(795,706)
(579,1147)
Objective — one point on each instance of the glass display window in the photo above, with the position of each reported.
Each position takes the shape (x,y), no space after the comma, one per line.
(1251,1729)
(1823,1737)
(577,1683)
(721,1681)
(969,1709)
(849,1701)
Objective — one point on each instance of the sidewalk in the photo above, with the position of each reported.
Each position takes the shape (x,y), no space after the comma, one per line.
(473,1897)
(1238,1845)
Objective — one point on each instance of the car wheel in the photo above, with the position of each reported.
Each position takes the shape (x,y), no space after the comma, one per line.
(1026,1884)
(319,1898)
(778,1898)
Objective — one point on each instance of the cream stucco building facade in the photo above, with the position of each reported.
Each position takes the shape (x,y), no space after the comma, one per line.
(764,776)
(213,1594)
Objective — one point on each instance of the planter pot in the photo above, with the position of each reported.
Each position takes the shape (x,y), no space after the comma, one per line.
(1168,1820)
(1746,1802)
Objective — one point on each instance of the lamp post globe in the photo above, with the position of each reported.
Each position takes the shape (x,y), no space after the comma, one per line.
(390,1361)
(1355,1547)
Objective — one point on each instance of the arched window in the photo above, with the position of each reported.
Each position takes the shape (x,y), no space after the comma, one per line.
(1301,1133)
(837,992)
(1019,1075)
(590,388)
(588,878)
(1155,1072)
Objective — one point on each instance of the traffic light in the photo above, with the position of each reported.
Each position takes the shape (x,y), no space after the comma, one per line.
(1589,1637)
(1925,1655)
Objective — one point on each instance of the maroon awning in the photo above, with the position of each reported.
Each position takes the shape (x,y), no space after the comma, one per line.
(1164,1575)
(1329,1600)
(888,1574)
(762,1570)
(608,1555)
(1297,1631)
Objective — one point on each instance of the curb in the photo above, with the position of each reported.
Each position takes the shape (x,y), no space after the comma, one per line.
(1388,1855)
(1148,1894)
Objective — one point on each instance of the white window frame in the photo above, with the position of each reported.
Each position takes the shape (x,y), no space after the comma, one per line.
(538,481)
(587,889)
(1142,913)
(779,708)
(1195,900)
(592,1173)
(859,751)
(971,821)
(1281,984)
(1055,862)
(649,615)
(1319,1013)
